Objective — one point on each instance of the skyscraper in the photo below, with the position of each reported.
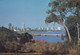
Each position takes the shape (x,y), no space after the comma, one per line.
(10,26)
(23,26)
(59,28)
(52,28)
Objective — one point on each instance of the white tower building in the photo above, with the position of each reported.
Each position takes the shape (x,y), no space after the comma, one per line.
(23,27)
(59,28)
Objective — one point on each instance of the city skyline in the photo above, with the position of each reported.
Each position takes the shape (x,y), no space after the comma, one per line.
(28,12)
(28,29)
(10,26)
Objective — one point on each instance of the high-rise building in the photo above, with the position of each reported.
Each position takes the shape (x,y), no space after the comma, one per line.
(59,28)
(10,26)
(23,26)
(52,28)
(47,28)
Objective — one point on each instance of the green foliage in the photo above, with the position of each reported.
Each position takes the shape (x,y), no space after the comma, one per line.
(72,20)
(26,38)
(62,7)
(51,18)
(71,23)
(58,12)
(74,6)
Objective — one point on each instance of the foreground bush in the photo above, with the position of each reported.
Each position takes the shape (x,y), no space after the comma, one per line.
(64,49)
(11,41)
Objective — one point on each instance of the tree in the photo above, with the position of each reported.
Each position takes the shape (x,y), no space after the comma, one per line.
(59,10)
(58,7)
(71,23)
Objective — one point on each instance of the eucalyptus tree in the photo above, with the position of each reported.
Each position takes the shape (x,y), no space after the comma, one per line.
(57,14)
(71,23)
(59,10)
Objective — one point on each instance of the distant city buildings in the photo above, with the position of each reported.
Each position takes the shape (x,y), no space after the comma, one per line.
(23,26)
(52,28)
(24,29)
(10,26)
(59,28)
(47,28)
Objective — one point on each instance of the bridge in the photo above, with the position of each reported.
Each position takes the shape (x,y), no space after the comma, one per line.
(48,34)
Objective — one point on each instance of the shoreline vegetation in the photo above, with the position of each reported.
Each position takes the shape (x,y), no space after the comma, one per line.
(45,30)
(14,44)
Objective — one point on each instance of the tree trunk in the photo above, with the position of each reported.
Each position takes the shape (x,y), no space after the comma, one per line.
(78,29)
(78,33)
(67,30)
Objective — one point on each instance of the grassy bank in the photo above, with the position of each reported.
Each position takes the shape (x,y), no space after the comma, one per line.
(52,48)
(47,49)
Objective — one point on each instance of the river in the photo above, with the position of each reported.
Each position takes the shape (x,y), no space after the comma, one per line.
(49,39)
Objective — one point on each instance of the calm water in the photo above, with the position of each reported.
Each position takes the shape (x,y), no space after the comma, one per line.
(50,39)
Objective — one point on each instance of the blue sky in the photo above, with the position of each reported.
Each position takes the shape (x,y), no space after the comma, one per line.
(32,13)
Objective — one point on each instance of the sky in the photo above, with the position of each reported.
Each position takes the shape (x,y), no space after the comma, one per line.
(32,13)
